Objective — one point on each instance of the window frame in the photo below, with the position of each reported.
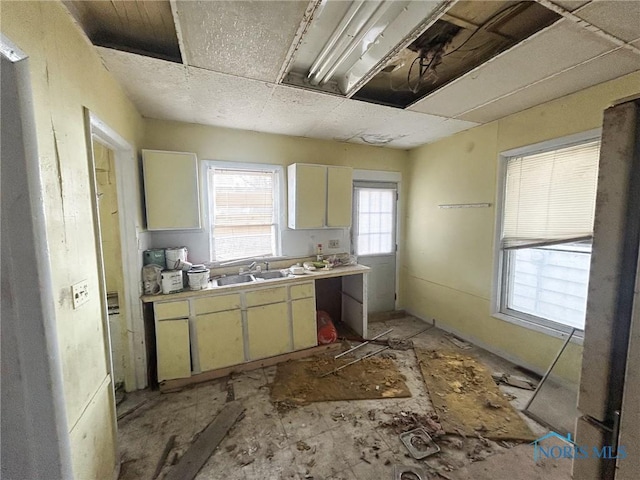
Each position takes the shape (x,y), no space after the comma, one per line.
(279,207)
(355,214)
(499,293)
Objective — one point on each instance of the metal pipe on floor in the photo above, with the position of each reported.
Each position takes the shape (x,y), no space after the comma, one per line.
(364,343)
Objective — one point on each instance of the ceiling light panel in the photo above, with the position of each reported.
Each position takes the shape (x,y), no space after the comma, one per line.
(346,40)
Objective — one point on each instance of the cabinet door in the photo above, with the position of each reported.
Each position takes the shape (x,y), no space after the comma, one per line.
(172,195)
(339,196)
(172,343)
(268,329)
(220,341)
(307,195)
(303,316)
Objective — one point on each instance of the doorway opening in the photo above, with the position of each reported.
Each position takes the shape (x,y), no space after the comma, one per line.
(119,244)
(374,240)
(107,196)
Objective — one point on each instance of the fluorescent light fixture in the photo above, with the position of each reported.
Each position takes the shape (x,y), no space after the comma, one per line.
(346,43)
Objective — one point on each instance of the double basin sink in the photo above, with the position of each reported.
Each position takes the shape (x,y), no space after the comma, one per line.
(248,278)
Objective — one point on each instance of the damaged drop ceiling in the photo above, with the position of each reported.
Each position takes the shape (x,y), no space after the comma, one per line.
(395,73)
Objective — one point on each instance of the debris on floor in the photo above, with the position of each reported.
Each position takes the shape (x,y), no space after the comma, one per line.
(419,443)
(404,421)
(163,456)
(199,451)
(298,382)
(405,472)
(466,398)
(458,342)
(348,440)
(514,381)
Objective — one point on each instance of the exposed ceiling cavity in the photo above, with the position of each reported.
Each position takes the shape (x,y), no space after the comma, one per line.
(346,41)
(467,35)
(342,70)
(136,26)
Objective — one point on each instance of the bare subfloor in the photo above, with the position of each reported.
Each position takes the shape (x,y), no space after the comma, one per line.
(327,440)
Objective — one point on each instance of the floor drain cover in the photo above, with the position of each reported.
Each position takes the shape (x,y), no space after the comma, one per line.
(403,472)
(419,443)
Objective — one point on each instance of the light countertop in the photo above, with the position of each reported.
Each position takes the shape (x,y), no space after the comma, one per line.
(214,289)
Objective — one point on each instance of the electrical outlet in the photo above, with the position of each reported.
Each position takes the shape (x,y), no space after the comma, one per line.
(80,293)
(334,243)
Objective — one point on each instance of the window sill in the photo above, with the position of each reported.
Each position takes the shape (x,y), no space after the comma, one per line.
(578,336)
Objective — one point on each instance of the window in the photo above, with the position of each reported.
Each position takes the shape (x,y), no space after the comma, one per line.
(243,211)
(547,225)
(374,220)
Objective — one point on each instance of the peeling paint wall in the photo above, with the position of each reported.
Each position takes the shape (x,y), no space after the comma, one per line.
(68,75)
(447,271)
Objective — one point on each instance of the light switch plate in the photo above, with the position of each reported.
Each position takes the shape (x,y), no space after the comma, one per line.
(80,293)
(334,243)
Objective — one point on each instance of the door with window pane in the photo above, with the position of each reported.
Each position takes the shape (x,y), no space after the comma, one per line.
(374,240)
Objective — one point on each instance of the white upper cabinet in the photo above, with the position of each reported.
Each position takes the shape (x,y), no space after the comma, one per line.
(319,196)
(171,187)
(339,196)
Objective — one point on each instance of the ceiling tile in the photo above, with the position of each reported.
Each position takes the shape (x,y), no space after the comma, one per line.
(225,100)
(541,55)
(607,67)
(248,39)
(294,111)
(571,5)
(159,89)
(351,118)
(620,18)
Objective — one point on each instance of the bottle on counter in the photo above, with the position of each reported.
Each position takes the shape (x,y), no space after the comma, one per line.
(319,253)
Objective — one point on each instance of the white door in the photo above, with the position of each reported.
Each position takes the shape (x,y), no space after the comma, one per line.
(374,240)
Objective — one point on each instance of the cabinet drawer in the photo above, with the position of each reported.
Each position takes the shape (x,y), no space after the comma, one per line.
(169,310)
(218,303)
(266,296)
(303,290)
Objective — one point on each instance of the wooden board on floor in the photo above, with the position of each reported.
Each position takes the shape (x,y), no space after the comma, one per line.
(199,452)
(467,399)
(372,378)
(178,383)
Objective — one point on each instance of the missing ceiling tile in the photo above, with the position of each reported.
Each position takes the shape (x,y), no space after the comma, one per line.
(467,35)
(134,26)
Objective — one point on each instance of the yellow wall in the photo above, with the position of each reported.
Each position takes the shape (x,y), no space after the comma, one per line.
(215,143)
(66,75)
(447,271)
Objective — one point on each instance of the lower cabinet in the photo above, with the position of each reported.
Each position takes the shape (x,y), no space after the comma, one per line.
(220,341)
(268,330)
(303,316)
(217,331)
(173,349)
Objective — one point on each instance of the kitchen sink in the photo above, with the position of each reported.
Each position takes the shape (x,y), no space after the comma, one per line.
(234,279)
(269,275)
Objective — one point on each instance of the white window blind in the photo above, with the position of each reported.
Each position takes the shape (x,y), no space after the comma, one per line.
(243,206)
(550,196)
